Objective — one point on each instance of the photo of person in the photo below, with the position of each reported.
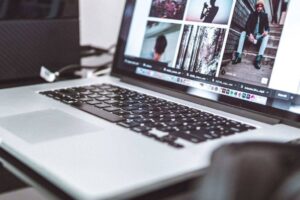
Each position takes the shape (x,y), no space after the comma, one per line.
(209,11)
(275,6)
(159,48)
(200,49)
(160,42)
(253,43)
(257,32)
(170,9)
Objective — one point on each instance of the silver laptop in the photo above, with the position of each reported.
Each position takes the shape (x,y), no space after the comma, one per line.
(188,76)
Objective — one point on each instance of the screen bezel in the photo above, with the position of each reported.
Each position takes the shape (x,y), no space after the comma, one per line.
(117,71)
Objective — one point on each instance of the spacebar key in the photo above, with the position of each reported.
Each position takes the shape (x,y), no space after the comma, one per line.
(98,112)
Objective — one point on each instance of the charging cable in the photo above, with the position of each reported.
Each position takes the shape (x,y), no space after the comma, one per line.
(86,51)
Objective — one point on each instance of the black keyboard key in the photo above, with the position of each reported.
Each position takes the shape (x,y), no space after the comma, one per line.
(129,124)
(115,90)
(152,116)
(226,132)
(102,105)
(190,138)
(94,95)
(87,92)
(141,129)
(209,137)
(68,100)
(96,90)
(111,95)
(121,113)
(98,112)
(130,108)
(140,112)
(104,86)
(249,127)
(111,101)
(68,92)
(237,130)
(79,89)
(84,98)
(102,98)
(89,87)
(111,109)
(132,116)
(186,128)
(169,138)
(150,135)
(174,123)
(142,120)
(93,102)
(48,93)
(177,146)
(105,93)
(166,129)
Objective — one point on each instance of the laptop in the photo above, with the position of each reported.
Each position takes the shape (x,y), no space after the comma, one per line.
(180,87)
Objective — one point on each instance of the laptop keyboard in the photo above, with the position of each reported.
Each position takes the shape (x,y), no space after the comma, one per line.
(161,120)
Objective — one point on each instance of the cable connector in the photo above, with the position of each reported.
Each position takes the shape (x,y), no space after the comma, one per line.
(47,75)
(50,77)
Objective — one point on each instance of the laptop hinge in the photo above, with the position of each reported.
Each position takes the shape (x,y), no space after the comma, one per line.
(226,108)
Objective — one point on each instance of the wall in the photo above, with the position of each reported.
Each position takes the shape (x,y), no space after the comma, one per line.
(100,21)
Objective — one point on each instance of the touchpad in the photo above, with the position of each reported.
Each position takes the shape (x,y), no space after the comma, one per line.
(45,125)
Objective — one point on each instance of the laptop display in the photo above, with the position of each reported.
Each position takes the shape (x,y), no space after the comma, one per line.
(225,51)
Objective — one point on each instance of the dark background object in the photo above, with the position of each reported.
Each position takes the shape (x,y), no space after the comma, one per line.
(9,182)
(252,171)
(35,33)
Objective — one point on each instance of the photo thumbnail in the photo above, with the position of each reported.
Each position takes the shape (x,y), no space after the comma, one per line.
(253,41)
(160,42)
(200,49)
(170,9)
(209,11)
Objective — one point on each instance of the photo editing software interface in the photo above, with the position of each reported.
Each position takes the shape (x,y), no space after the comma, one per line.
(233,48)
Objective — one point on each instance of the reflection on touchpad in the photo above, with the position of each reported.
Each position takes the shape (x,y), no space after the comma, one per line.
(41,126)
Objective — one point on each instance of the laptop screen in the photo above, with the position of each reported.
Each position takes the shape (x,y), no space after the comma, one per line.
(237,52)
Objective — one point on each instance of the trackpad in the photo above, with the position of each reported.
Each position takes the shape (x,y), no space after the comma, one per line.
(45,125)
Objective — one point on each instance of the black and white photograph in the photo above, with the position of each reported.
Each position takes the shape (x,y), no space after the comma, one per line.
(160,42)
(200,49)
(209,11)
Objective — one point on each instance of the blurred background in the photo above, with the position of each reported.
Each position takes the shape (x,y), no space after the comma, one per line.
(100,21)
